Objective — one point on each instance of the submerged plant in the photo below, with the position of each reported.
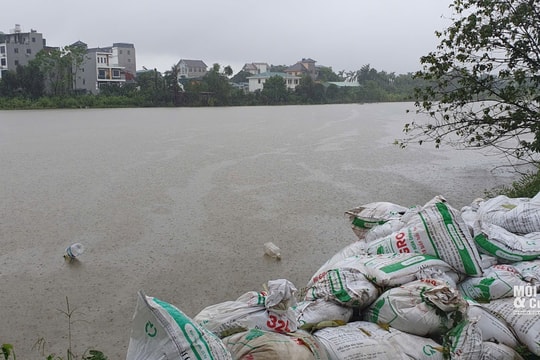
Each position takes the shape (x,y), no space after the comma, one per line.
(7,351)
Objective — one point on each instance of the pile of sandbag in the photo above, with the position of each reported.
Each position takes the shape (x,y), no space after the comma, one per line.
(420,282)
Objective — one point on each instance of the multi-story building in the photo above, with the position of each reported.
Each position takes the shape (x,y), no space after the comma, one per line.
(256,68)
(189,69)
(18,48)
(304,67)
(104,66)
(124,55)
(256,82)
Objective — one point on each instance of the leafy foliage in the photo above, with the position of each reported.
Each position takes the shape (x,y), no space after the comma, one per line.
(275,91)
(7,351)
(483,80)
(45,83)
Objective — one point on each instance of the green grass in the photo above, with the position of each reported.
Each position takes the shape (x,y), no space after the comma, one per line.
(527,186)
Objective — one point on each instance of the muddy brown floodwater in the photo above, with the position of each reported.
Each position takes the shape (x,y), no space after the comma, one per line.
(179,202)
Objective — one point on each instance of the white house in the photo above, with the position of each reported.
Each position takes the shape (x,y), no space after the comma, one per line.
(256,82)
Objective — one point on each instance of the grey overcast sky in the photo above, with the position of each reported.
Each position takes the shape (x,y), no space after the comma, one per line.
(389,35)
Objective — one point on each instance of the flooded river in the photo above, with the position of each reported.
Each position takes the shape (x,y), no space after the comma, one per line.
(179,202)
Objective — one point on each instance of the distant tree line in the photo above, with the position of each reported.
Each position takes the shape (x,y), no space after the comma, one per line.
(47,82)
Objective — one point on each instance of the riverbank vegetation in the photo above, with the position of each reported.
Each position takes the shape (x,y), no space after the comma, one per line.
(482,85)
(27,88)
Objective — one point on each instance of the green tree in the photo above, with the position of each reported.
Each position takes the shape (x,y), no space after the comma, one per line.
(326,74)
(57,65)
(372,91)
(152,88)
(217,83)
(228,71)
(275,91)
(25,81)
(309,91)
(9,84)
(483,80)
(49,62)
(333,93)
(173,80)
(31,80)
(74,58)
(150,81)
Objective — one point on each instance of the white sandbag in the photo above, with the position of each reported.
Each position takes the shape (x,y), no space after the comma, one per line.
(365,217)
(357,248)
(494,328)
(422,307)
(529,270)
(256,344)
(268,310)
(517,215)
(390,270)
(488,261)
(523,317)
(469,213)
(394,269)
(505,245)
(464,341)
(497,282)
(384,230)
(344,285)
(360,340)
(493,351)
(436,229)
(161,331)
(311,313)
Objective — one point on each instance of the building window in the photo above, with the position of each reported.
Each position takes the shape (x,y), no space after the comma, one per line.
(28,51)
(120,52)
(33,39)
(2,49)
(16,62)
(129,60)
(129,52)
(116,74)
(3,61)
(16,50)
(101,74)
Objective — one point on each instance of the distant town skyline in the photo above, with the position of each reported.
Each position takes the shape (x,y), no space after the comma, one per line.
(389,35)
